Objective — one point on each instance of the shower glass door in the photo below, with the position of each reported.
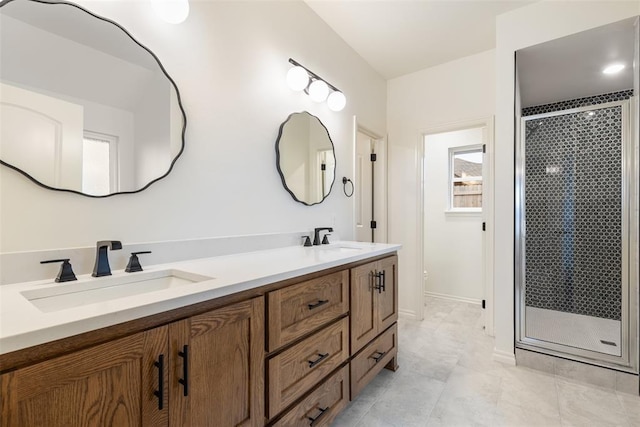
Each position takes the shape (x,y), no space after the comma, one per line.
(573,216)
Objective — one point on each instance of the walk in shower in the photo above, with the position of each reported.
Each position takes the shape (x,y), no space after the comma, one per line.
(576,218)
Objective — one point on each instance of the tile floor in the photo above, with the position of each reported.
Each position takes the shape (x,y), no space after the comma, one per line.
(447,378)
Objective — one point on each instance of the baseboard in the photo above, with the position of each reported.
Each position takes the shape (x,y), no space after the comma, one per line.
(504,357)
(453,298)
(407,314)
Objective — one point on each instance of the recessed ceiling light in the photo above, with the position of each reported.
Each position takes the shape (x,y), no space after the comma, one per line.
(613,68)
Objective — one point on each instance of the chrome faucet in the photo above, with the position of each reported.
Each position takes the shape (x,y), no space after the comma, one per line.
(316,234)
(101,267)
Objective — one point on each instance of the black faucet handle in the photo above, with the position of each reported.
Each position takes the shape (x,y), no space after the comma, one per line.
(66,273)
(307,241)
(134,262)
(325,240)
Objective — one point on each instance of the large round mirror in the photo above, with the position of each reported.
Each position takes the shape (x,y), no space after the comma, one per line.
(84,107)
(305,158)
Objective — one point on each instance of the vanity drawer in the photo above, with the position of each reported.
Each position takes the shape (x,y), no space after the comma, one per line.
(299,309)
(298,369)
(321,406)
(370,361)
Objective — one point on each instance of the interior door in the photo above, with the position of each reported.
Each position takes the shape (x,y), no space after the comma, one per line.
(364,187)
(52,148)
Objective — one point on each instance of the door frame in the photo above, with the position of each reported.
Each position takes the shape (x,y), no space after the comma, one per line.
(487,210)
(381,193)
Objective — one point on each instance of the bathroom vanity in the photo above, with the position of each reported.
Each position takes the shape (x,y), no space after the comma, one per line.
(277,337)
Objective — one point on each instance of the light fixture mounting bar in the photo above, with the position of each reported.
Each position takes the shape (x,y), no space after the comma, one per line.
(314,75)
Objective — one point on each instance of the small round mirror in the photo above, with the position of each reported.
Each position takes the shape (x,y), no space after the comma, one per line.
(305,158)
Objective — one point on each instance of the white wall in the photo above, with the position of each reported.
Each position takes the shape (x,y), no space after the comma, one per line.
(229,60)
(453,255)
(456,91)
(538,23)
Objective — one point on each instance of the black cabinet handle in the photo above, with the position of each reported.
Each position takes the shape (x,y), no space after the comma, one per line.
(318,304)
(321,357)
(317,417)
(160,392)
(378,355)
(379,281)
(384,281)
(185,369)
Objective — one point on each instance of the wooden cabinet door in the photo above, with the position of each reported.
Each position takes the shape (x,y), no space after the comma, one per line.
(111,384)
(387,304)
(220,357)
(363,306)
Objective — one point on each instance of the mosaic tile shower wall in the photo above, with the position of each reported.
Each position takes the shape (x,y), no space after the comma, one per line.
(579,102)
(573,209)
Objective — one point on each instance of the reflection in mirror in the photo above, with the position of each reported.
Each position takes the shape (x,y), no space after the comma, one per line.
(305,158)
(83,106)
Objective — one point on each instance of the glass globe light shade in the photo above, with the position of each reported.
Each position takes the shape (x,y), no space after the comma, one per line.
(297,78)
(171,11)
(336,101)
(318,91)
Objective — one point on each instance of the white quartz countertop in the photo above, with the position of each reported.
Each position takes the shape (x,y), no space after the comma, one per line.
(23,324)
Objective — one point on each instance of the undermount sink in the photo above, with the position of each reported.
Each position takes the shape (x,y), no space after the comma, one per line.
(94,290)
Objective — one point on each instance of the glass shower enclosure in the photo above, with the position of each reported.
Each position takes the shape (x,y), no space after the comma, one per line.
(577,166)
(574,231)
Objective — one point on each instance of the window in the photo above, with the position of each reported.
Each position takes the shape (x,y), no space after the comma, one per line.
(99,163)
(465,179)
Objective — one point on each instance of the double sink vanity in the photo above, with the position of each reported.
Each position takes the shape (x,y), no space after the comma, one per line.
(282,337)
(275,337)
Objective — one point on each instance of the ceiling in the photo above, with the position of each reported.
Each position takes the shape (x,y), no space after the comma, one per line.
(398,37)
(547,73)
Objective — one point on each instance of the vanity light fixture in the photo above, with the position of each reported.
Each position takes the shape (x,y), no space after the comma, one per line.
(336,101)
(300,77)
(318,90)
(172,11)
(613,68)
(297,78)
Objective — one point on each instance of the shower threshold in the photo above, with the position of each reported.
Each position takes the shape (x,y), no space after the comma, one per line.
(574,330)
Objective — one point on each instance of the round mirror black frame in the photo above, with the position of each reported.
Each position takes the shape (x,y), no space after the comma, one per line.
(184,116)
(278,158)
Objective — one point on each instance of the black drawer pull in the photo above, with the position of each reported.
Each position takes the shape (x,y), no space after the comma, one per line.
(321,357)
(322,412)
(318,304)
(380,282)
(185,369)
(160,392)
(384,281)
(378,355)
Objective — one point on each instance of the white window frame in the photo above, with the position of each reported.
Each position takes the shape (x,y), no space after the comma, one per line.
(114,175)
(452,180)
